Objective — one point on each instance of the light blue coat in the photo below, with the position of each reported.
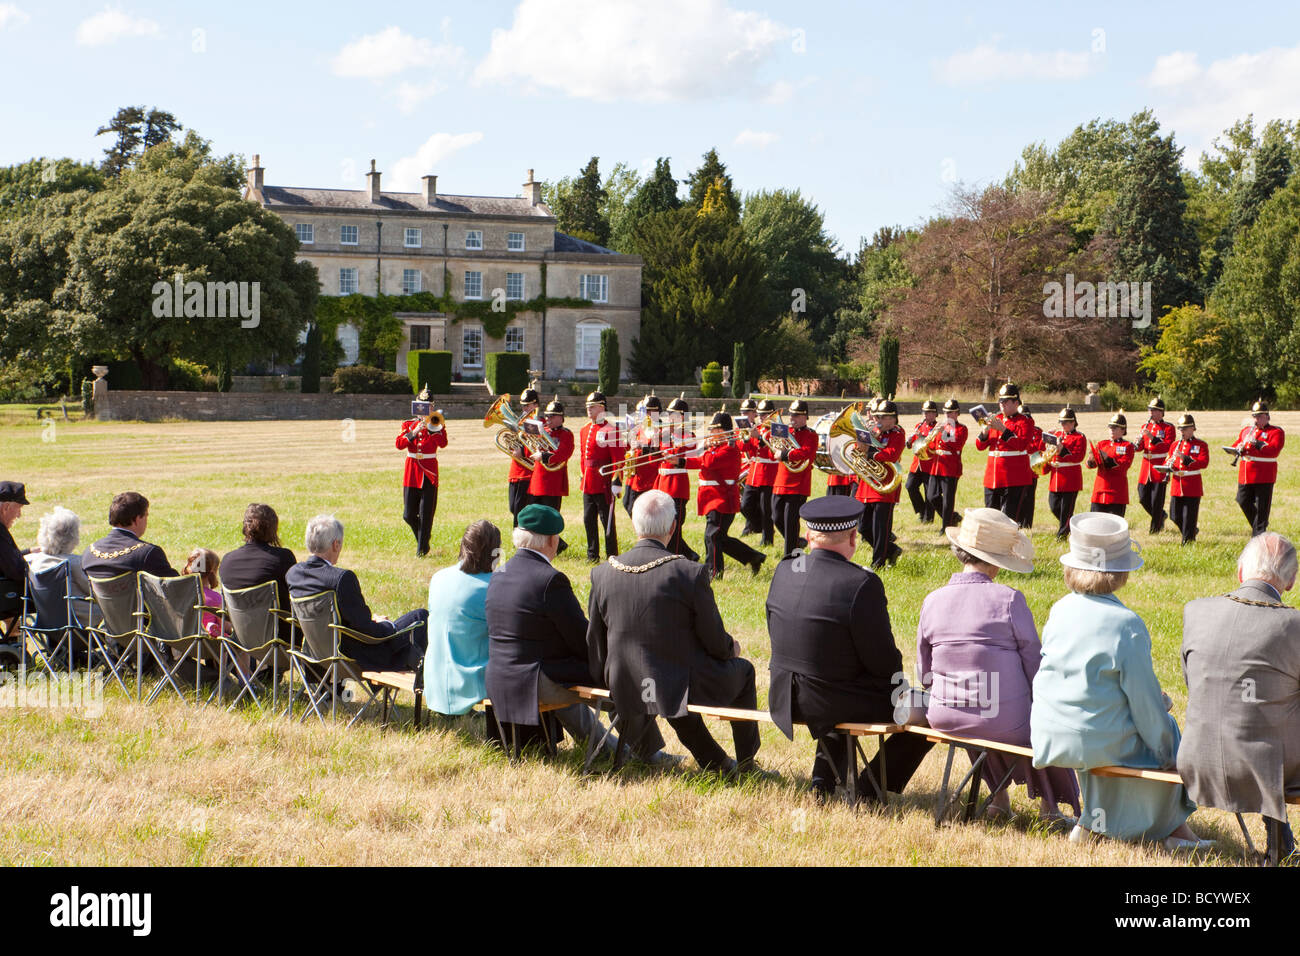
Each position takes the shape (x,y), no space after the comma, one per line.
(456,662)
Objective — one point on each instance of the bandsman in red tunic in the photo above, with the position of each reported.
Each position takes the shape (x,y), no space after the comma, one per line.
(1153,445)
(1066,470)
(643,439)
(420,438)
(518,477)
(718,498)
(877,522)
(674,480)
(600,448)
(1036,445)
(550,482)
(756,500)
(1257,448)
(1188,457)
(1113,457)
(793,482)
(1007,437)
(918,474)
(945,465)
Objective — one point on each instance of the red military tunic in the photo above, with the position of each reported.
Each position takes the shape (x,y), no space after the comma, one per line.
(1188,458)
(553,478)
(838,480)
(644,475)
(1111,484)
(421,453)
(517,471)
(719,489)
(599,445)
(789,482)
(892,451)
(947,452)
(918,436)
(1258,465)
(1008,462)
(1157,438)
(1067,469)
(674,480)
(761,462)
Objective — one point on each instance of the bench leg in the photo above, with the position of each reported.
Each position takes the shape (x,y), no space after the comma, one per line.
(419,708)
(976,778)
(851,770)
(941,801)
(881,788)
(1273,834)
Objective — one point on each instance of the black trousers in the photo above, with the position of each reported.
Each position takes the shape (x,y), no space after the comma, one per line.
(718,541)
(596,511)
(551,501)
(843,490)
(1256,502)
(1061,504)
(398,653)
(916,491)
(629,499)
(756,506)
(695,736)
(1027,502)
(903,753)
(876,525)
(785,519)
(517,496)
(942,493)
(1007,500)
(1151,496)
(421,504)
(1109,508)
(1184,510)
(678,544)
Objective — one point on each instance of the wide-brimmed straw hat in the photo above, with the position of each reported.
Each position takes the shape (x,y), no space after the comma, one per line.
(992,537)
(1101,542)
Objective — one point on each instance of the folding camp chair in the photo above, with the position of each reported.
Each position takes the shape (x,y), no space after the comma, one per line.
(173,629)
(255,616)
(316,617)
(51,620)
(117,635)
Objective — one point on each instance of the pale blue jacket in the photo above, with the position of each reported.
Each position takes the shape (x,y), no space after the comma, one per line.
(456,661)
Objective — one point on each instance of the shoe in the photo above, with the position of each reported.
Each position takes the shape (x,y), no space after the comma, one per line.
(1179,845)
(892,556)
(756,565)
(421,552)
(564,546)
(664,760)
(749,768)
(1081,835)
(593,559)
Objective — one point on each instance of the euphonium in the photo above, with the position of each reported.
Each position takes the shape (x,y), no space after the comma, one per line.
(518,444)
(845,445)
(1039,460)
(924,449)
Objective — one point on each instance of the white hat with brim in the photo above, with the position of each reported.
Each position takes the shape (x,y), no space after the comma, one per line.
(1101,542)
(991,536)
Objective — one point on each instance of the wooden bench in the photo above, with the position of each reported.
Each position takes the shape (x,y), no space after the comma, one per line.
(978,750)
(390,683)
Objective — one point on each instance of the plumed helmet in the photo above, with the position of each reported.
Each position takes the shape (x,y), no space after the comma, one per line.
(651,403)
(886,407)
(798,407)
(749,405)
(1119,420)
(1067,415)
(596,398)
(1186,420)
(1009,390)
(951,405)
(929,405)
(679,404)
(766,405)
(555,406)
(529,396)
(1157,402)
(721,420)
(1259,408)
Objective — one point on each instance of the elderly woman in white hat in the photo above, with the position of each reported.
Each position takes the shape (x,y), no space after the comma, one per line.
(978,652)
(1097,701)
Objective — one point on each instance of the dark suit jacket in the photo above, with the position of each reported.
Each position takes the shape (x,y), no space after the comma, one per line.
(120,551)
(255,563)
(316,574)
(535,626)
(12,565)
(833,653)
(656,637)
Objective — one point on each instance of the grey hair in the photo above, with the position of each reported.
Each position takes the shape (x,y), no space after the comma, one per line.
(653,515)
(60,531)
(322,532)
(523,538)
(1094,582)
(1268,557)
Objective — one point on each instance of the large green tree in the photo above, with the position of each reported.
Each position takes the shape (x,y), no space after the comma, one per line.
(36,179)
(621,187)
(578,209)
(136,130)
(657,194)
(712,173)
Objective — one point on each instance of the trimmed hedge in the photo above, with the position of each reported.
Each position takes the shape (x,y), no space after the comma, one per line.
(711,380)
(368,380)
(507,372)
(429,367)
(611,363)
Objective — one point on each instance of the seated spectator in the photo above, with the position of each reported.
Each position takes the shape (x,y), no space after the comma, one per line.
(260,558)
(1241,661)
(324,540)
(1097,702)
(13,572)
(58,540)
(204,562)
(455,664)
(124,548)
(978,652)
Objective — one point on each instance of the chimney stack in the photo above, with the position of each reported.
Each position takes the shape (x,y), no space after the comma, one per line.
(253,181)
(532,190)
(430,190)
(372,179)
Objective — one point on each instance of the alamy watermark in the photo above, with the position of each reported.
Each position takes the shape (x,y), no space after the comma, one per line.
(208,300)
(83,691)
(1091,300)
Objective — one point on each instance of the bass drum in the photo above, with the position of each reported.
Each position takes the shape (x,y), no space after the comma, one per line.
(830,458)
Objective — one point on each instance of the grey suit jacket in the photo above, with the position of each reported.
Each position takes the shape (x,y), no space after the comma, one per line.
(1241,748)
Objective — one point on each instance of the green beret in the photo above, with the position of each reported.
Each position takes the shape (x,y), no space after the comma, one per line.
(541,519)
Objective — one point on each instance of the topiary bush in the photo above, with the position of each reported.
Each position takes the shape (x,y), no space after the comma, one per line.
(428,367)
(611,363)
(507,372)
(711,381)
(368,380)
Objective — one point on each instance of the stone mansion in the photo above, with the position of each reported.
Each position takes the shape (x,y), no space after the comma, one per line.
(370,241)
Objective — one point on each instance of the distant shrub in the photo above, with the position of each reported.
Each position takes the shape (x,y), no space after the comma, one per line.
(368,380)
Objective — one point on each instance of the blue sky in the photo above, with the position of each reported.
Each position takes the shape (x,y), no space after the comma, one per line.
(873,110)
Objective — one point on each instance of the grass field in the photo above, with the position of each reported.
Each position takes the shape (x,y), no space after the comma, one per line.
(172,783)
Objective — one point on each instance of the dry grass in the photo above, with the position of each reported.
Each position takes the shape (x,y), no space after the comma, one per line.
(171,783)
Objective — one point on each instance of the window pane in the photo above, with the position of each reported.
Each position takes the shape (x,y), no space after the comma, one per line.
(515,241)
(587,353)
(593,287)
(419,336)
(347,281)
(413,238)
(514,285)
(410,281)
(515,338)
(472,347)
(348,235)
(473,285)
(474,239)
(305,232)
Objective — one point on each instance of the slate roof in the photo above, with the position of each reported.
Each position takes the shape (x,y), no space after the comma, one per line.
(304,198)
(565,243)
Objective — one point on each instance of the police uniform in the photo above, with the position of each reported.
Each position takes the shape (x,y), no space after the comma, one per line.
(793,482)
(718,501)
(600,448)
(918,474)
(877,522)
(421,442)
(945,465)
(1154,444)
(1188,457)
(518,477)
(756,500)
(1067,472)
(1110,487)
(1259,446)
(1007,476)
(674,480)
(641,442)
(834,659)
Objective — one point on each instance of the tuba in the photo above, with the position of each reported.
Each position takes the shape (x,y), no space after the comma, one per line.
(846,446)
(519,444)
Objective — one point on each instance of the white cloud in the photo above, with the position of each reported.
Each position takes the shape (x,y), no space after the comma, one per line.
(609,50)
(407,171)
(11,15)
(411,95)
(1199,103)
(382,54)
(987,64)
(753,137)
(112,24)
